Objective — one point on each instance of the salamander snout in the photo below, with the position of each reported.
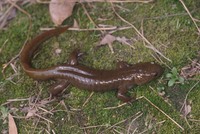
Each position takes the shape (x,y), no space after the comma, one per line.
(157,69)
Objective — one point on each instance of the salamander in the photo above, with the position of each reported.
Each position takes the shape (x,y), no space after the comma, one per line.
(122,78)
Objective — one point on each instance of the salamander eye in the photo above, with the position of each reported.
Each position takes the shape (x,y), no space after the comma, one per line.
(155,74)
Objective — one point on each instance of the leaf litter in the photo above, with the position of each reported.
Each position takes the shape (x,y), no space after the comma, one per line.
(108,39)
(192,69)
(60,10)
(8,11)
(11,124)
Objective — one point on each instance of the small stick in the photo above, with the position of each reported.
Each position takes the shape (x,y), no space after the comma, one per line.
(188,94)
(185,101)
(110,45)
(164,113)
(67,110)
(88,99)
(190,15)
(46,111)
(121,105)
(115,107)
(30,26)
(113,1)
(14,100)
(128,131)
(43,118)
(120,1)
(90,127)
(150,46)
(120,122)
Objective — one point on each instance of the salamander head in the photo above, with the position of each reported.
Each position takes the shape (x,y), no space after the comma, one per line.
(147,71)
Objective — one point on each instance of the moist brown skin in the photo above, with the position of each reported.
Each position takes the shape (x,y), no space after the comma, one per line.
(122,78)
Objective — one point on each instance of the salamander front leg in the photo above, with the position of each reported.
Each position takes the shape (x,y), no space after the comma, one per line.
(58,87)
(74,56)
(121,94)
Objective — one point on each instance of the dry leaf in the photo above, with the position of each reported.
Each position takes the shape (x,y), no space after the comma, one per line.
(31,113)
(108,39)
(6,17)
(12,125)
(192,69)
(124,41)
(187,109)
(75,25)
(61,10)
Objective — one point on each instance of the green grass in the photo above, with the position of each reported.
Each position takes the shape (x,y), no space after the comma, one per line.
(177,33)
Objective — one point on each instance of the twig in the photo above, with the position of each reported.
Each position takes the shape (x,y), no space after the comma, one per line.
(159,96)
(143,97)
(67,110)
(194,120)
(188,94)
(163,113)
(110,46)
(121,105)
(23,11)
(15,100)
(128,131)
(30,26)
(190,15)
(88,99)
(3,45)
(43,118)
(120,122)
(156,57)
(185,101)
(35,125)
(89,17)
(45,111)
(4,16)
(150,46)
(119,1)
(113,1)
(89,29)
(187,122)
(90,127)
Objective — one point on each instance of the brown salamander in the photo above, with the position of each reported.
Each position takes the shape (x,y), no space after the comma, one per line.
(122,78)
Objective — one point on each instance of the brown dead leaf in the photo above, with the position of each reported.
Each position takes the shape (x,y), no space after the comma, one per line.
(5,17)
(108,39)
(124,41)
(61,10)
(31,113)
(192,69)
(75,25)
(12,125)
(8,11)
(186,109)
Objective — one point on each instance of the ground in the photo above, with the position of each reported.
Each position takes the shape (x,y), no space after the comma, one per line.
(166,24)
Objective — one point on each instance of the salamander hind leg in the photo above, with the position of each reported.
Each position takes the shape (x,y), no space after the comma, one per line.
(74,56)
(58,87)
(121,94)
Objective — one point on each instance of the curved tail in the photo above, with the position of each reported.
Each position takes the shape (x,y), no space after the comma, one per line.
(29,49)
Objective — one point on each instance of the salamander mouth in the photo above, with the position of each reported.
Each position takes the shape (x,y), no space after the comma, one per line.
(159,73)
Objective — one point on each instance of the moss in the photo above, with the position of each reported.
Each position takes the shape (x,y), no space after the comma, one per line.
(165,24)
